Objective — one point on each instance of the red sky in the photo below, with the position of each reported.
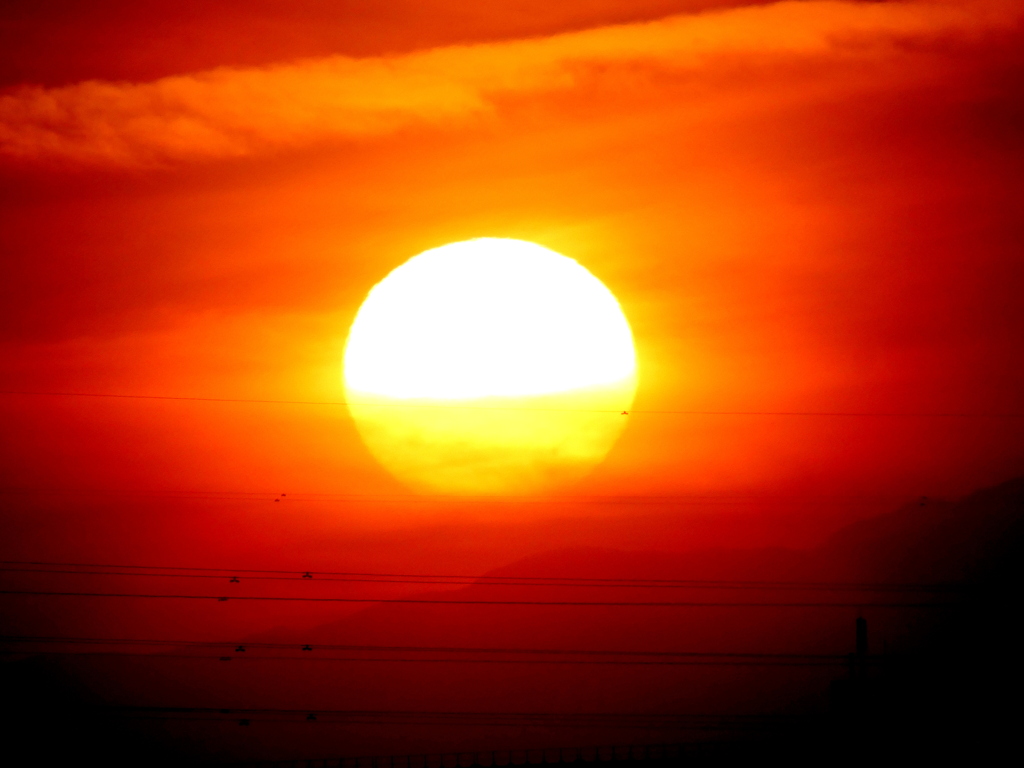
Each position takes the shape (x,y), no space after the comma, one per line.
(802,207)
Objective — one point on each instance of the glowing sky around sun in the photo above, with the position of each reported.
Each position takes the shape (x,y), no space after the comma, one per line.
(489,366)
(783,236)
(801,207)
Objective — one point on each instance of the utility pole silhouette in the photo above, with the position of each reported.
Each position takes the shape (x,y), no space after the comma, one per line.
(847,694)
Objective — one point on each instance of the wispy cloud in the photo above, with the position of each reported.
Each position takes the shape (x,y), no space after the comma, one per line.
(230,112)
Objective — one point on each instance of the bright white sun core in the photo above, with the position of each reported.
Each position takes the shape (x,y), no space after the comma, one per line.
(489,366)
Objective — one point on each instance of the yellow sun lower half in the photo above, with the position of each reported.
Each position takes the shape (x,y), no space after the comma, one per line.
(489,366)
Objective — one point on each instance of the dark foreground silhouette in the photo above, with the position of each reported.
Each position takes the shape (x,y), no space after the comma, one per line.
(910,684)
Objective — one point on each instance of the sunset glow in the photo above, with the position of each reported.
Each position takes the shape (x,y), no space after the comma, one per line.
(485,318)
(477,367)
(586,384)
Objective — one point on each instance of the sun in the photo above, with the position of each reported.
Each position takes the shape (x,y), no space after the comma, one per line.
(490,366)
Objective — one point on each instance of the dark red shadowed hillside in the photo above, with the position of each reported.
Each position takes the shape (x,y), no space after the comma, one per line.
(772,638)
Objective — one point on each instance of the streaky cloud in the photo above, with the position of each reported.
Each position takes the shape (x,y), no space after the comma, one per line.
(237,112)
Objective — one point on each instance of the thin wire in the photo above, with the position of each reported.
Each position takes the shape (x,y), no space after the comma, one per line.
(661,724)
(405,648)
(495,723)
(839,414)
(653,720)
(701,499)
(484,580)
(503,758)
(459,716)
(420,601)
(403,660)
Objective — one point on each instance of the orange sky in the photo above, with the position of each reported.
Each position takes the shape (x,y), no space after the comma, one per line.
(804,206)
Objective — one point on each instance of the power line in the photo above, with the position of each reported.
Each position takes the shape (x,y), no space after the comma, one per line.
(413,660)
(484,582)
(239,574)
(243,646)
(503,758)
(392,717)
(662,724)
(615,411)
(456,654)
(701,716)
(701,499)
(424,601)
